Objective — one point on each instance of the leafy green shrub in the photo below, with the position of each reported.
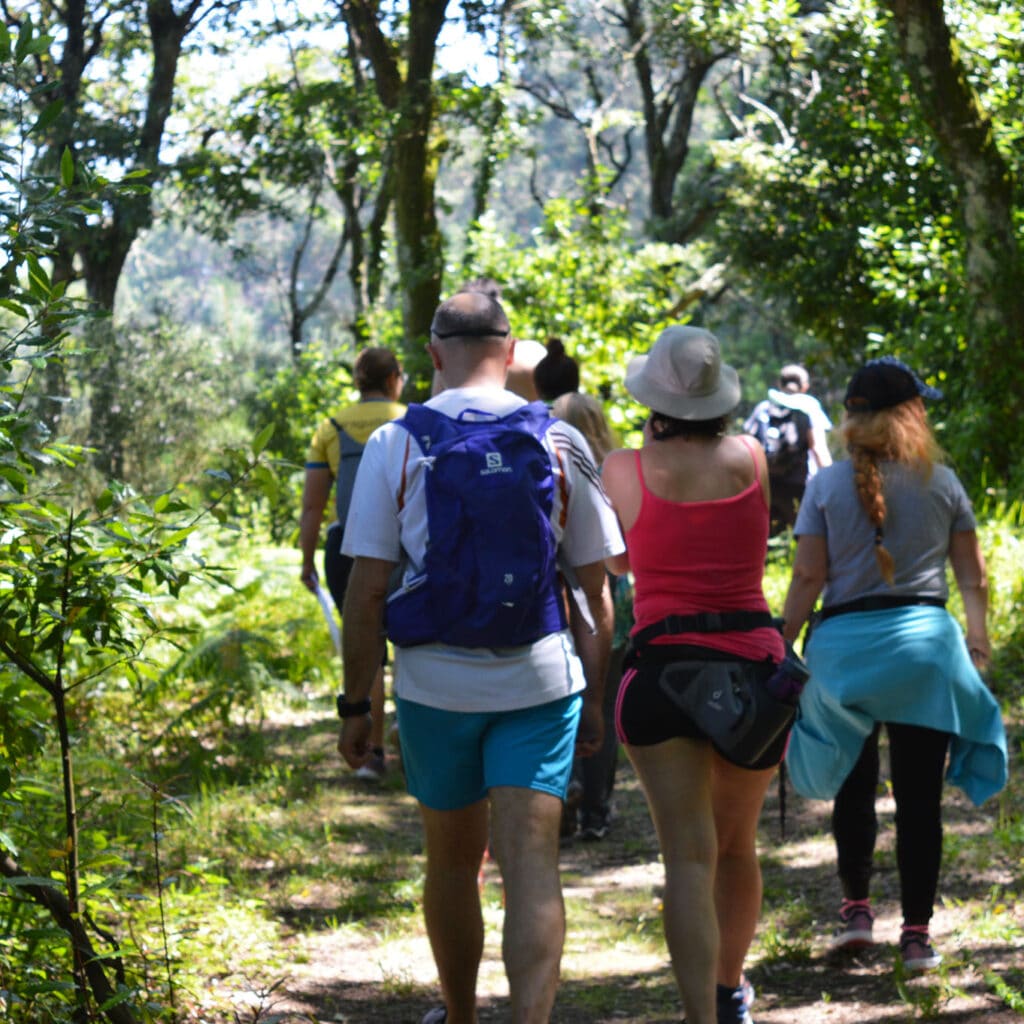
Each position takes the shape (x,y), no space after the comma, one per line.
(78,578)
(294,400)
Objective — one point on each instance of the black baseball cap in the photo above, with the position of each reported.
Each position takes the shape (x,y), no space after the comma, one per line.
(884,382)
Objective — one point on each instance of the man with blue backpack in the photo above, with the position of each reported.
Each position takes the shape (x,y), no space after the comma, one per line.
(473,520)
(331,462)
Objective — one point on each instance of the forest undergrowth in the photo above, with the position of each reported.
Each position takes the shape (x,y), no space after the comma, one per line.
(245,876)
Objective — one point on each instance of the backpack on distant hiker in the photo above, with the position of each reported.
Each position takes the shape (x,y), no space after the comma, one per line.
(350,451)
(489,577)
(782,432)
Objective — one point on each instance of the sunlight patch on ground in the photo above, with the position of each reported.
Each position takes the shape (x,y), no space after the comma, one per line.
(392,962)
(813,852)
(644,875)
(621,958)
(359,956)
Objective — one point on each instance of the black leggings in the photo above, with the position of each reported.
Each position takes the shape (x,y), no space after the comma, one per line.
(917,758)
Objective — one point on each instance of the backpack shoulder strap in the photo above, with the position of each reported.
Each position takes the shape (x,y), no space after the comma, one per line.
(347,444)
(423,424)
(419,423)
(350,453)
(404,481)
(534,417)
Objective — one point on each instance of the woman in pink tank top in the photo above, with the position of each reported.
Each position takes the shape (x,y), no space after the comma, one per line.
(693,504)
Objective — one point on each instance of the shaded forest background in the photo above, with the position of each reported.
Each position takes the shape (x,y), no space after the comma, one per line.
(263,189)
(208,206)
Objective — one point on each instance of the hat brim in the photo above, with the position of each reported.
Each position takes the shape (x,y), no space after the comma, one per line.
(716,403)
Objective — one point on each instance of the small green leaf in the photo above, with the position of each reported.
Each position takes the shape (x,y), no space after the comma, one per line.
(267,481)
(19,880)
(262,439)
(50,114)
(40,988)
(40,44)
(24,40)
(16,479)
(38,279)
(67,168)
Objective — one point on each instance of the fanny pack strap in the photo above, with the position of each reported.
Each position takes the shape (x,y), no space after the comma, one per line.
(704,622)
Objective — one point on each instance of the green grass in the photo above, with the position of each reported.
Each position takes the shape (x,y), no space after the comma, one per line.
(269,852)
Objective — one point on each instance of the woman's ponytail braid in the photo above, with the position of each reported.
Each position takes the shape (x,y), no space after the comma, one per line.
(868,481)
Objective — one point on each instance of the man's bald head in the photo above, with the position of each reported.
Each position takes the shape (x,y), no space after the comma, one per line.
(469,316)
(470,341)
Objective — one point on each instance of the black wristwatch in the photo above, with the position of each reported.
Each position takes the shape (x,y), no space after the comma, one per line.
(347,709)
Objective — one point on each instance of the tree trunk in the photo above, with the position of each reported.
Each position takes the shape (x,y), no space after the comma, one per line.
(109,421)
(419,243)
(668,121)
(994,351)
(419,237)
(104,250)
(57,906)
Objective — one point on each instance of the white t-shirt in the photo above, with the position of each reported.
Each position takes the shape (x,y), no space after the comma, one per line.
(478,679)
(805,403)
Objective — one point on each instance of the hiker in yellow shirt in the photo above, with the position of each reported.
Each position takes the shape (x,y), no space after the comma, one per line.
(332,460)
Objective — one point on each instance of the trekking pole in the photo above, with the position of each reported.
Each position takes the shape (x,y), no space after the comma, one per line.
(328,609)
(782,799)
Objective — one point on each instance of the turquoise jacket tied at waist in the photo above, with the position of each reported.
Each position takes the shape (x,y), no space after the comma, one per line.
(908,665)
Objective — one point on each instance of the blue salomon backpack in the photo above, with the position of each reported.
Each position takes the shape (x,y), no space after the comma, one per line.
(489,577)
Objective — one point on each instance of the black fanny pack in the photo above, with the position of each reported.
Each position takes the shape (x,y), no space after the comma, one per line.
(743,707)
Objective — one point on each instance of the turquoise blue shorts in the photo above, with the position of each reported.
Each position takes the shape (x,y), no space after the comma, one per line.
(454,758)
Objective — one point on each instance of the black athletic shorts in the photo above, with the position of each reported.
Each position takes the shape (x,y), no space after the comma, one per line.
(337,569)
(645,714)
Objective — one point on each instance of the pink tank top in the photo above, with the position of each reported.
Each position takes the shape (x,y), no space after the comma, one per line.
(702,556)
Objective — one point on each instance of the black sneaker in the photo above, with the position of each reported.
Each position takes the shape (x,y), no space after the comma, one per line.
(593,830)
(731,1007)
(374,769)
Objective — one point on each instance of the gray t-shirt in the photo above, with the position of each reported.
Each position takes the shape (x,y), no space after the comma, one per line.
(920,516)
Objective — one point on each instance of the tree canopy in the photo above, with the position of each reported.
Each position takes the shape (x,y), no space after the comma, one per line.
(842,178)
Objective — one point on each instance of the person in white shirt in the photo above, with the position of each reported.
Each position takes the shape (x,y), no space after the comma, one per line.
(791,426)
(488,733)
(794,392)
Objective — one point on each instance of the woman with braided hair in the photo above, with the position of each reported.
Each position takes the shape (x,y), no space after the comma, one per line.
(874,535)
